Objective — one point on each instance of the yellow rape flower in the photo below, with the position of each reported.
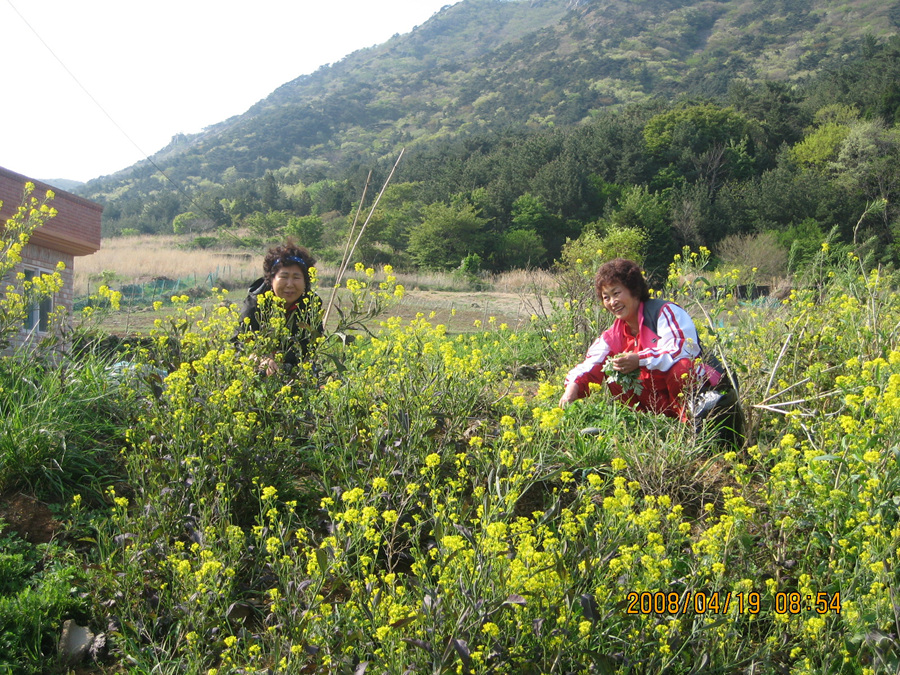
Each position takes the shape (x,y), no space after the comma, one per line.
(491,629)
(352,496)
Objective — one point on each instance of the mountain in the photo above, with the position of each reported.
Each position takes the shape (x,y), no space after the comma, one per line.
(65,184)
(484,66)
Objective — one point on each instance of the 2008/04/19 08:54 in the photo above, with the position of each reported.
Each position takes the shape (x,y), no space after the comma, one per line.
(722,602)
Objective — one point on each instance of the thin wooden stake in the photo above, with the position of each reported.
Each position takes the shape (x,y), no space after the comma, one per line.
(345,257)
(349,254)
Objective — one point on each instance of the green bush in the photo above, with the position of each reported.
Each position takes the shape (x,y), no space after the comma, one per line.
(60,425)
(37,593)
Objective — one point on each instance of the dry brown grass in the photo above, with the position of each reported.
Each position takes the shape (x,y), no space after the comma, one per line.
(142,258)
(760,251)
(523,281)
(443,297)
(136,259)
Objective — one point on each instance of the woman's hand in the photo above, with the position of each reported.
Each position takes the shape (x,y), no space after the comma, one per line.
(266,363)
(571,394)
(627,362)
(272,366)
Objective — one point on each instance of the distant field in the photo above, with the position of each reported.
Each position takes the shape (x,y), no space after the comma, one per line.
(470,306)
(136,260)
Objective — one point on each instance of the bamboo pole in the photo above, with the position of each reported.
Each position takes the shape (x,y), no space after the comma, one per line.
(348,253)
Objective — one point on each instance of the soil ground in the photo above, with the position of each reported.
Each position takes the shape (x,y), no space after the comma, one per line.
(28,517)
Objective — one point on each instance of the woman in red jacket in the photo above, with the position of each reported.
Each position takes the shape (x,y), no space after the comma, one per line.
(656,338)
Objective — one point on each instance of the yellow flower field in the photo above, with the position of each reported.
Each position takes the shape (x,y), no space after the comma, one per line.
(404,504)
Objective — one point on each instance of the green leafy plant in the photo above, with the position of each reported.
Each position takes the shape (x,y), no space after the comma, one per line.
(39,590)
(628,381)
(421,510)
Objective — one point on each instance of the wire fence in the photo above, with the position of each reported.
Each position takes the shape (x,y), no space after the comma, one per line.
(160,289)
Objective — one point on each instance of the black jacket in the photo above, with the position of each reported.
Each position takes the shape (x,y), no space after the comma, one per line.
(304,321)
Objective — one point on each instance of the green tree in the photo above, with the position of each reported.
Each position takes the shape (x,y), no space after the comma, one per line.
(822,143)
(531,213)
(399,211)
(868,164)
(184,222)
(836,113)
(776,107)
(821,146)
(704,143)
(446,235)
(522,248)
(271,195)
(639,209)
(696,128)
(802,241)
(776,200)
(269,224)
(307,230)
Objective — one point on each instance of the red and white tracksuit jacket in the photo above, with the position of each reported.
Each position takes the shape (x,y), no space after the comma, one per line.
(668,359)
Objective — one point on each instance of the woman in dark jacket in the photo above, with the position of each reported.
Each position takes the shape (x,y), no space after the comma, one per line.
(286,275)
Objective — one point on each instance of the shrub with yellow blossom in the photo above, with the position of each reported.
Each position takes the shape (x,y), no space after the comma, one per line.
(417,510)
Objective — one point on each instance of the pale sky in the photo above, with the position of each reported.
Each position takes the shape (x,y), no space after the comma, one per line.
(161,68)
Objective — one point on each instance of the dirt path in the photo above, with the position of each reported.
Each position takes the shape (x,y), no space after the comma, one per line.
(509,308)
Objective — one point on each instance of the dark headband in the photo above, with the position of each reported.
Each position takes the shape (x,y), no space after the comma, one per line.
(290,259)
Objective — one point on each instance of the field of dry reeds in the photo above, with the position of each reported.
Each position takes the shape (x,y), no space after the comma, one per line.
(126,260)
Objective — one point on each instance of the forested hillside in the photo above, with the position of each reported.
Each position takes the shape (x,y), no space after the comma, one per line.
(526,123)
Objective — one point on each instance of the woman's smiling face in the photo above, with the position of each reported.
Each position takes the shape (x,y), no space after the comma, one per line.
(289,283)
(620,302)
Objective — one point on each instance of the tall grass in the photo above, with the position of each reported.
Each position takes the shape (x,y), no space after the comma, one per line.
(140,258)
(125,260)
(60,425)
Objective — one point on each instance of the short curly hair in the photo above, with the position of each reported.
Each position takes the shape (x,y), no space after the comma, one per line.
(288,254)
(625,272)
